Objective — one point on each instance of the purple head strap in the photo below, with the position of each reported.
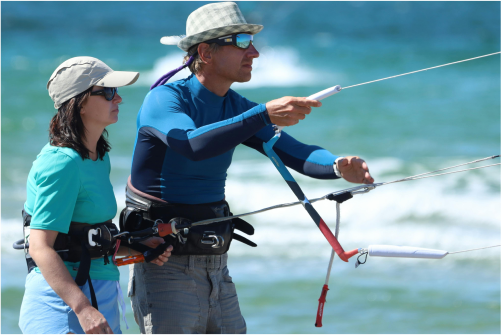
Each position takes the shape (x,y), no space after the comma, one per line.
(162,80)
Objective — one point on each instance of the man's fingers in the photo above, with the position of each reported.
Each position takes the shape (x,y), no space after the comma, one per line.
(355,170)
(364,172)
(369,178)
(305,102)
(296,110)
(158,240)
(153,242)
(301,114)
(163,258)
(288,111)
(288,120)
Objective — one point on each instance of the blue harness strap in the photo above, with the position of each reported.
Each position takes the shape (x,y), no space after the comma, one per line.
(268,149)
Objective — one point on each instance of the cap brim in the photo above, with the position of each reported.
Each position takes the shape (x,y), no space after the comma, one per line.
(118,79)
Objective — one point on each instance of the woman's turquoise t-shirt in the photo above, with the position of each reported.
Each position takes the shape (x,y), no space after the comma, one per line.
(62,188)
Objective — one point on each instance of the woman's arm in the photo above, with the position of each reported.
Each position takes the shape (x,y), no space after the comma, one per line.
(60,280)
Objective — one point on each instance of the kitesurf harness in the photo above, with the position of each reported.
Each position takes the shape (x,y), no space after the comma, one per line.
(186,238)
(85,242)
(82,243)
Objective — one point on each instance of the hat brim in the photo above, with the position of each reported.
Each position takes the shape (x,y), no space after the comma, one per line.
(118,79)
(190,41)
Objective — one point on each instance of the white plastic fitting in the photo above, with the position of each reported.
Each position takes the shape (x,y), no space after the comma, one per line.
(405,252)
(321,95)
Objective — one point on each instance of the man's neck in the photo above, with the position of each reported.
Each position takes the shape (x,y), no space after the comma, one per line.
(214,83)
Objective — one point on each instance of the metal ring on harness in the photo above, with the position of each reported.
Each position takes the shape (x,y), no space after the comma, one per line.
(20,245)
(216,241)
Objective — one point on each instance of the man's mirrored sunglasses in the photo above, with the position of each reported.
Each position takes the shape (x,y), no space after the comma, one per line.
(107,92)
(242,41)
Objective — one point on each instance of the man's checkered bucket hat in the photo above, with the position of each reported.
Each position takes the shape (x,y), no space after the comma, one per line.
(211,21)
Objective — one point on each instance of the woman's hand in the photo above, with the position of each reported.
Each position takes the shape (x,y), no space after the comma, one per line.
(92,321)
(58,277)
(154,242)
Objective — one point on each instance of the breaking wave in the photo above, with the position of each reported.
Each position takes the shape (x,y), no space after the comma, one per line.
(275,67)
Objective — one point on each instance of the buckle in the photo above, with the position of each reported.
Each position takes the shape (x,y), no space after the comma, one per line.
(209,237)
(93,232)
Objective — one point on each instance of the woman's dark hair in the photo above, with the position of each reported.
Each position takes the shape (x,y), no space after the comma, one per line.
(67,129)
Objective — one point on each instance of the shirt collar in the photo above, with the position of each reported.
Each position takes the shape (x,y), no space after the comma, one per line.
(202,93)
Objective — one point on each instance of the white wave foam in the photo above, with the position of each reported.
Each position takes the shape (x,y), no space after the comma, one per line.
(161,67)
(12,230)
(276,67)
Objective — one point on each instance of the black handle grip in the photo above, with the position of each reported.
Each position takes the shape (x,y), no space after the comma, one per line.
(142,233)
(154,253)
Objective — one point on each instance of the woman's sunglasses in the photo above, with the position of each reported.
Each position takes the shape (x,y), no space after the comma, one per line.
(107,92)
(242,41)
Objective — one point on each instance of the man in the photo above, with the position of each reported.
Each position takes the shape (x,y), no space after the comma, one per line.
(187,132)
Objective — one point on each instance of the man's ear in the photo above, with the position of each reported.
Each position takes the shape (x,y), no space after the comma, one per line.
(205,53)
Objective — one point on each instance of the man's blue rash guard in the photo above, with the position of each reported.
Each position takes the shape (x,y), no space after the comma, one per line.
(186,138)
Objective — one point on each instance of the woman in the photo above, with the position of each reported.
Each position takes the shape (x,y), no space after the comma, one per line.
(68,185)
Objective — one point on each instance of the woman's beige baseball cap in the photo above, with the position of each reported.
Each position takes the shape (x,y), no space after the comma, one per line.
(77,74)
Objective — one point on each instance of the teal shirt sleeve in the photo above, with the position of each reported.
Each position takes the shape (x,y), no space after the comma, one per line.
(57,185)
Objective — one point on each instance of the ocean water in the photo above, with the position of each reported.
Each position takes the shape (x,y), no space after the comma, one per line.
(401,127)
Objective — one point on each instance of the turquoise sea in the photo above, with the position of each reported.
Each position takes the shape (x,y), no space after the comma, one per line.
(401,127)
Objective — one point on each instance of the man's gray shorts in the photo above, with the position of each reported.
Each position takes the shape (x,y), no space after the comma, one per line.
(187,295)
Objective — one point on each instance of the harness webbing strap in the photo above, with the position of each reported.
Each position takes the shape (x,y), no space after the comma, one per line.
(83,273)
(92,294)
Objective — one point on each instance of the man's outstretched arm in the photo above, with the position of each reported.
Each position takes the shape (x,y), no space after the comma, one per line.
(311,160)
(163,116)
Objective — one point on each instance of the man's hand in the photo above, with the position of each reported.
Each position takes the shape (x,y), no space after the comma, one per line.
(355,170)
(287,111)
(154,242)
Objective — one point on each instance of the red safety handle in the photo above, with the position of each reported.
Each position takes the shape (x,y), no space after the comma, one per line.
(321,303)
(148,256)
(344,255)
(129,260)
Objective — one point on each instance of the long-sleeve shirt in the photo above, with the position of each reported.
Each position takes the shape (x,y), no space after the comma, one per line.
(186,136)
